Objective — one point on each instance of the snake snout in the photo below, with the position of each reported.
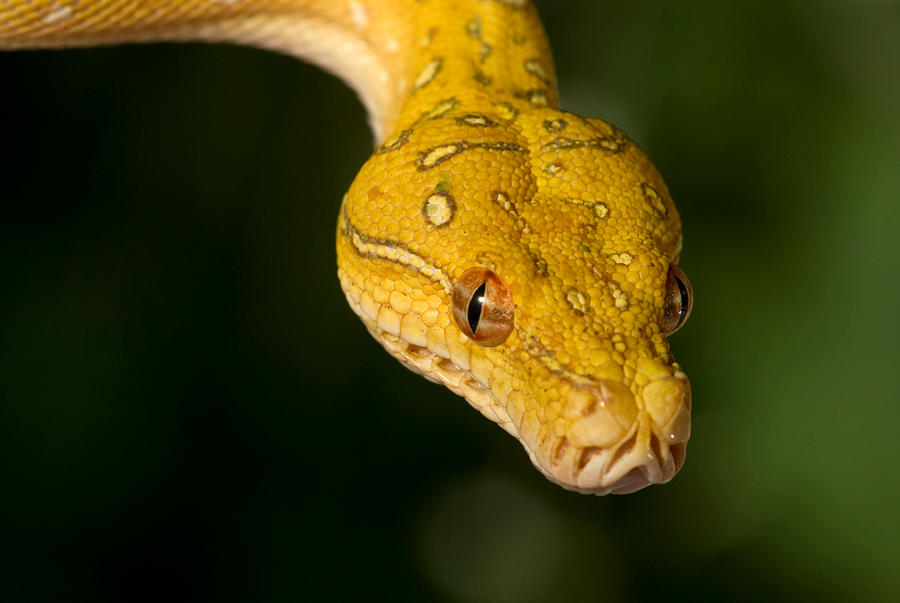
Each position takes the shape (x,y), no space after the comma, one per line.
(657,450)
(620,444)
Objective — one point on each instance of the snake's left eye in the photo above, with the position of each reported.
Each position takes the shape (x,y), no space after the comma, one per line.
(483,307)
(679,300)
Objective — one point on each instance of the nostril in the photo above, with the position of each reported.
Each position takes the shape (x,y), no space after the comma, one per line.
(656,447)
(678,451)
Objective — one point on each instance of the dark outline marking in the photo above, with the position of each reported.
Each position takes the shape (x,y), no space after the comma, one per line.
(348,229)
(470,120)
(513,4)
(473,28)
(535,96)
(438,111)
(464,145)
(509,107)
(501,198)
(654,199)
(482,78)
(451,205)
(536,68)
(555,125)
(401,139)
(438,63)
(441,109)
(613,144)
(485,52)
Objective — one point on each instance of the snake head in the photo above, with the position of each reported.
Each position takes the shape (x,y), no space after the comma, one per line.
(524,258)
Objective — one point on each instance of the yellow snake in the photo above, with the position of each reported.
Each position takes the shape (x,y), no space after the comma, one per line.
(523,256)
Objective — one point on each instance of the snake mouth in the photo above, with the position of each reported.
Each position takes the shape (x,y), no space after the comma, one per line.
(651,473)
(645,475)
(645,453)
(601,459)
(630,466)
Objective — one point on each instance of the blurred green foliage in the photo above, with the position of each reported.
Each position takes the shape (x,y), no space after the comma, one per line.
(188,409)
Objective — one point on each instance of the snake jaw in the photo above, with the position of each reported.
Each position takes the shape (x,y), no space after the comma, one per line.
(442,370)
(604,442)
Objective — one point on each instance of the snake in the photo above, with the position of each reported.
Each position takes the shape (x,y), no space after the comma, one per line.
(523,256)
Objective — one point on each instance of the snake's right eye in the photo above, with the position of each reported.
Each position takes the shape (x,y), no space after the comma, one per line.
(679,300)
(483,307)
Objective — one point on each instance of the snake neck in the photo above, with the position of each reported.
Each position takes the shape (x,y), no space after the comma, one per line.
(400,57)
(486,56)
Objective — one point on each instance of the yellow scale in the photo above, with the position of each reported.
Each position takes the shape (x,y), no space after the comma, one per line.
(523,256)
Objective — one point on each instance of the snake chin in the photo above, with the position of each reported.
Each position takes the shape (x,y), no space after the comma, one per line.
(639,459)
(442,370)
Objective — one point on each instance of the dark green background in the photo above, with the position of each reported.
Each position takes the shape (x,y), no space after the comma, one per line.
(190,410)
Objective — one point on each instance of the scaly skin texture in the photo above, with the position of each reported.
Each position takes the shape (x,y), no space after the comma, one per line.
(475,166)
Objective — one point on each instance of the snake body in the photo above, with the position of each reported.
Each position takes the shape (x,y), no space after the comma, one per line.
(522,256)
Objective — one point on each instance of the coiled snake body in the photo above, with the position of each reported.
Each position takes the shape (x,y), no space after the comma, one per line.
(523,256)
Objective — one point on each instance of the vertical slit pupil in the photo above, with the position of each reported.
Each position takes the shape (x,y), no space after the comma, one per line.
(473,312)
(685,300)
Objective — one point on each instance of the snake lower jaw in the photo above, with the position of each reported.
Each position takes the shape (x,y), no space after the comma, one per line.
(640,460)
(442,370)
(647,454)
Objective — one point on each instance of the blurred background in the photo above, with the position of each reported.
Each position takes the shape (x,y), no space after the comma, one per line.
(188,408)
